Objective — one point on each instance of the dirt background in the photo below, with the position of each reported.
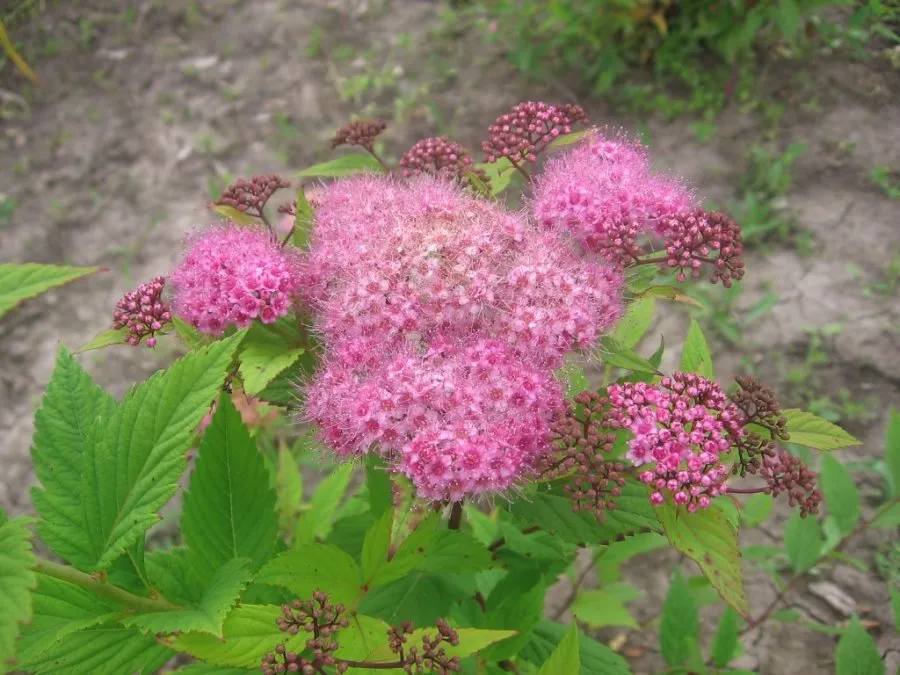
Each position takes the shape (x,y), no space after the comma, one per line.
(145,105)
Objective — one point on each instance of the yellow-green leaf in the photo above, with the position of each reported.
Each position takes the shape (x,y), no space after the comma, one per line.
(814,432)
(235,216)
(113,336)
(346,165)
(695,355)
(19,282)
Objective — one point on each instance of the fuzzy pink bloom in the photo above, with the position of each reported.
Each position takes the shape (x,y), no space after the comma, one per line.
(605,195)
(436,260)
(679,430)
(144,312)
(457,417)
(231,275)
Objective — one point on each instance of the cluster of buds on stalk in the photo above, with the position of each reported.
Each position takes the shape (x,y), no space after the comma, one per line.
(322,619)
(143,312)
(429,656)
(251,196)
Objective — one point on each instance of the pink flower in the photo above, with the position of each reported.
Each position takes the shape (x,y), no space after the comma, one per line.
(679,428)
(231,275)
(604,194)
(457,417)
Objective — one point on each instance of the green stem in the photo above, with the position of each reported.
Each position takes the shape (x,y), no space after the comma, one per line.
(92,583)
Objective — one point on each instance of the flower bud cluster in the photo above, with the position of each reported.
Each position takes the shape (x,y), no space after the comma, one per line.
(361,133)
(430,656)
(143,312)
(528,128)
(697,238)
(442,158)
(251,196)
(322,620)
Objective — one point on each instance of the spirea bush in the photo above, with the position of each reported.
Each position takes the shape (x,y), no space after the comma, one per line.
(429,344)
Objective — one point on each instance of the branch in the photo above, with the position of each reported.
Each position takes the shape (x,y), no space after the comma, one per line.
(456,514)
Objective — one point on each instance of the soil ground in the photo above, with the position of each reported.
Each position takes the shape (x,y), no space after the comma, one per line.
(147,106)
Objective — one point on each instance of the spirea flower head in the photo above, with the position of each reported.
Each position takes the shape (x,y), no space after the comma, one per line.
(605,195)
(361,132)
(231,275)
(144,312)
(697,238)
(784,472)
(680,428)
(528,128)
(251,196)
(442,158)
(457,417)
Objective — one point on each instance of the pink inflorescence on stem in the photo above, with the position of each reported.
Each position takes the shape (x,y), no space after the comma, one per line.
(528,128)
(428,657)
(605,195)
(580,449)
(442,158)
(143,312)
(251,196)
(361,133)
(697,238)
(680,428)
(231,275)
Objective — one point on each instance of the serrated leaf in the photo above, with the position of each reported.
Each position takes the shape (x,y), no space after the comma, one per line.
(695,355)
(519,610)
(618,356)
(802,542)
(135,467)
(113,336)
(208,669)
(288,490)
(888,516)
(600,608)
(366,635)
(208,616)
(172,574)
(840,493)
(566,658)
(375,547)
(857,653)
(235,216)
(814,432)
(725,643)
(892,450)
(671,293)
(679,624)
(347,165)
(313,567)
(20,282)
(456,551)
(250,632)
(631,328)
(16,581)
(554,514)
(262,362)
(190,336)
(419,597)
(595,657)
(710,539)
(499,174)
(316,521)
(229,508)
(63,432)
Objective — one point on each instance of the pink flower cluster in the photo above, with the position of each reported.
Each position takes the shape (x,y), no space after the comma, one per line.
(604,193)
(443,317)
(231,275)
(681,427)
(143,312)
(458,418)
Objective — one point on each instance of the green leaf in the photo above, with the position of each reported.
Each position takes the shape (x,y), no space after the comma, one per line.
(708,538)
(455,551)
(574,378)
(378,483)
(499,173)
(814,432)
(311,567)
(888,515)
(802,542)
(757,509)
(62,434)
(618,356)
(264,356)
(229,508)
(316,522)
(695,356)
(364,636)
(596,658)
(892,450)
(554,515)
(207,669)
(471,641)
(135,467)
(632,327)
(113,336)
(288,490)
(16,582)
(679,624)
(347,165)
(375,547)
(303,220)
(19,282)
(726,641)
(840,493)
(670,293)
(250,632)
(857,653)
(208,616)
(600,608)
(569,139)
(171,572)
(190,336)
(235,216)
(566,658)
(419,597)
(519,610)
